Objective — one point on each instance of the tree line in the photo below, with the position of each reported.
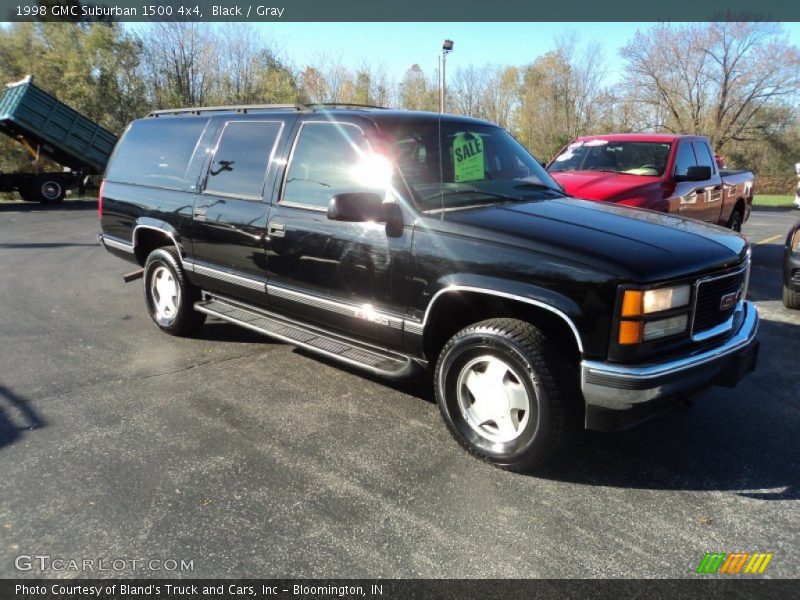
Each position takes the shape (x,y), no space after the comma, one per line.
(734,82)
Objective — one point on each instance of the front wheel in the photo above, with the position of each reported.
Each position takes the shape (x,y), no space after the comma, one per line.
(504,395)
(169,296)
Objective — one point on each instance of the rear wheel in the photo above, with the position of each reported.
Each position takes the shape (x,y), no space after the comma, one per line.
(736,220)
(27,195)
(168,294)
(47,190)
(791,299)
(503,393)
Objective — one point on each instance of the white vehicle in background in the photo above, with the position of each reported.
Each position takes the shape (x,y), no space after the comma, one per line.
(797,191)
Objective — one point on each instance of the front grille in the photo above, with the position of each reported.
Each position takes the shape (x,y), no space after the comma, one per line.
(710,292)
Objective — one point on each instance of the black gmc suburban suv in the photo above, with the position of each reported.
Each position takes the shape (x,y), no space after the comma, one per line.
(399,242)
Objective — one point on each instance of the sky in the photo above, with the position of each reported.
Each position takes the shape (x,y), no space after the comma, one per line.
(397,46)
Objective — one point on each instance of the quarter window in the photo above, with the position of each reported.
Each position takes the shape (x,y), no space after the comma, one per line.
(242,157)
(156,152)
(323,163)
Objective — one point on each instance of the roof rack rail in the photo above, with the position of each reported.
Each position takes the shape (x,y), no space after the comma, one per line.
(342,105)
(238,108)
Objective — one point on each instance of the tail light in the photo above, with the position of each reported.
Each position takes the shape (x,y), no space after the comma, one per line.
(100,199)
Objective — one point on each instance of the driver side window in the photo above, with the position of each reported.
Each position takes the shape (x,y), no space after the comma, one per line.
(685,159)
(322,163)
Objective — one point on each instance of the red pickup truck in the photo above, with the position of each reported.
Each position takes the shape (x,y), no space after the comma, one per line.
(676,174)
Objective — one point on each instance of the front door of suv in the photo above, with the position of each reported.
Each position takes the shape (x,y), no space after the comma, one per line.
(230,212)
(345,276)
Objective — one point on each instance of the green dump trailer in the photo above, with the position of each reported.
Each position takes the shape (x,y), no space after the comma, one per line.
(48,127)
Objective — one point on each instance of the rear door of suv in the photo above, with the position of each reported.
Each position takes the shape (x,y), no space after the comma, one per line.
(231,207)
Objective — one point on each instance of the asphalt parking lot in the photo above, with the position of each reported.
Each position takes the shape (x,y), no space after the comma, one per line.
(251,458)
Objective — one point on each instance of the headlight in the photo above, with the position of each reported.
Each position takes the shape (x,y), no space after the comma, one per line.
(795,243)
(638,304)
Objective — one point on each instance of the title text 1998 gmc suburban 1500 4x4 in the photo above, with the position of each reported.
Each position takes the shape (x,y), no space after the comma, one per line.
(675,174)
(403,241)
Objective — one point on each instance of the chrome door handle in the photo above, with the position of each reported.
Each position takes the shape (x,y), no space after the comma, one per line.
(277,230)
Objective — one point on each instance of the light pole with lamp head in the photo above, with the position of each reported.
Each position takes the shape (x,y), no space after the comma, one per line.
(447,47)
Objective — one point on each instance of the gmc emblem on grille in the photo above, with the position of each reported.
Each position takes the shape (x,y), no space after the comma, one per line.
(728,301)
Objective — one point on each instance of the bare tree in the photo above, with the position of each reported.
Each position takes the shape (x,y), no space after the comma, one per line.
(182,59)
(416,91)
(560,95)
(715,78)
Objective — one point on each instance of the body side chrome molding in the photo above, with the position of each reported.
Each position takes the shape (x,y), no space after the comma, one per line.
(252,283)
(363,311)
(417,327)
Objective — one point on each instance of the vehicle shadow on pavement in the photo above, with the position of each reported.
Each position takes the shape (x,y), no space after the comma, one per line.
(82,204)
(16,417)
(766,279)
(742,440)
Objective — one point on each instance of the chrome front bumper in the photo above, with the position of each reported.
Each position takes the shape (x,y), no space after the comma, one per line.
(615,388)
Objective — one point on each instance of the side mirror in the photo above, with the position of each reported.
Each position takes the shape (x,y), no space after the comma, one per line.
(357,207)
(696,173)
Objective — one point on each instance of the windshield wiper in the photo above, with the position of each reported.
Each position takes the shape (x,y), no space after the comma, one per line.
(529,185)
(490,195)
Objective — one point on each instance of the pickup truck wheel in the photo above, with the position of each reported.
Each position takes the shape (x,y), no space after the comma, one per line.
(168,294)
(47,190)
(791,299)
(735,222)
(503,394)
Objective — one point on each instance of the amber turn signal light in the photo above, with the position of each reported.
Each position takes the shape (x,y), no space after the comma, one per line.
(630,332)
(632,303)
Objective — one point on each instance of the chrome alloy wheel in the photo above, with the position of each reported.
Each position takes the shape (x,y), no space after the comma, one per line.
(165,293)
(493,399)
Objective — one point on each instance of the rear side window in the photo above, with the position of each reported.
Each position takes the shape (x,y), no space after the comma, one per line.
(685,159)
(156,152)
(242,157)
(322,163)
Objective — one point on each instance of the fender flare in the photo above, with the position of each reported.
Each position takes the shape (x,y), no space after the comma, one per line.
(562,307)
(161,227)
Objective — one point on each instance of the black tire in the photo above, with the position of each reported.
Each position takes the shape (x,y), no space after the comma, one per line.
(25,194)
(47,190)
(536,365)
(736,220)
(791,299)
(182,319)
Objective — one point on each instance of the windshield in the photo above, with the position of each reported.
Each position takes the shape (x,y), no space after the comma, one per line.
(631,158)
(470,164)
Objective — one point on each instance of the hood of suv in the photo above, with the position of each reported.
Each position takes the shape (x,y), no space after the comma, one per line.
(641,245)
(604,185)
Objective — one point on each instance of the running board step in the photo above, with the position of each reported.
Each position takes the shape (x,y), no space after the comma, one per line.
(377,361)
